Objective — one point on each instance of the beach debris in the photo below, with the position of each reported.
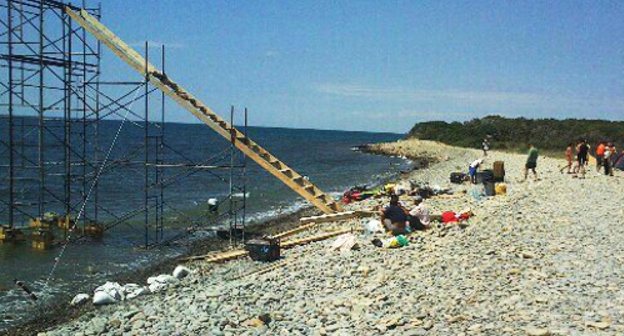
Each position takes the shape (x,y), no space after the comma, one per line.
(263,249)
(181,272)
(393,242)
(373,226)
(345,242)
(161,282)
(108,293)
(79,299)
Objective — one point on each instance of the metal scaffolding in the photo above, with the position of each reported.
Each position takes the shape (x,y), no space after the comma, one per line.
(56,123)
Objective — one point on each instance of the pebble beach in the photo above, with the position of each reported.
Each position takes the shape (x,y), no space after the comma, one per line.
(544,259)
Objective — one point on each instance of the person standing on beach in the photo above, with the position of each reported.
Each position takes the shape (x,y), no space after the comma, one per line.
(613,158)
(606,160)
(569,159)
(472,170)
(531,162)
(600,151)
(581,158)
(485,145)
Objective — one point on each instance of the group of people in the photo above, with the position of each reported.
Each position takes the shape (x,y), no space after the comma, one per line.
(399,220)
(606,158)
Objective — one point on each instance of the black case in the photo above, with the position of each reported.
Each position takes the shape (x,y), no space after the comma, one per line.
(458,178)
(263,249)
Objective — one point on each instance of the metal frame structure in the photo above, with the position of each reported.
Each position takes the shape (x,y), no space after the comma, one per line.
(53,103)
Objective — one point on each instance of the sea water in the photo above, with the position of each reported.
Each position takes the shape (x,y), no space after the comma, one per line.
(325,157)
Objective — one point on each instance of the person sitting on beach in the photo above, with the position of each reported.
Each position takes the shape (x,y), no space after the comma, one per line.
(472,169)
(419,215)
(394,216)
(531,162)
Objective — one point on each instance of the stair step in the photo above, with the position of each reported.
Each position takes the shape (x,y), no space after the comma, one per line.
(288,172)
(309,188)
(299,180)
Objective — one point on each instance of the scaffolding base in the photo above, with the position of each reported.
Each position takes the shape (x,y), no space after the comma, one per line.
(8,234)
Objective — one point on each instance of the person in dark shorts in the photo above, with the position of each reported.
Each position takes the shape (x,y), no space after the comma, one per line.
(531,162)
(394,216)
(581,157)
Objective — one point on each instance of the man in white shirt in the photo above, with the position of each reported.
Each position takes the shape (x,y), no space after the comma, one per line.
(419,215)
(472,169)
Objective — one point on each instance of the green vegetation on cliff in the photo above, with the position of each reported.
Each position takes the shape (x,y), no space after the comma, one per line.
(516,134)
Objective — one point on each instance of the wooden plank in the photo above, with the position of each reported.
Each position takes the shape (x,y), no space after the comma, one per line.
(262,269)
(318,237)
(328,217)
(136,61)
(293,231)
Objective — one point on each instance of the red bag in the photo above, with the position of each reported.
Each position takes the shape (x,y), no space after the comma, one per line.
(448,217)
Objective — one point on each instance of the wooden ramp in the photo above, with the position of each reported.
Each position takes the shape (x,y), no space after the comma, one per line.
(254,151)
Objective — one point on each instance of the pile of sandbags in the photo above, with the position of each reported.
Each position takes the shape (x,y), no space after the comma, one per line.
(113,292)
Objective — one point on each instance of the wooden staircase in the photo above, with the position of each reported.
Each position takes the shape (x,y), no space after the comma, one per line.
(250,148)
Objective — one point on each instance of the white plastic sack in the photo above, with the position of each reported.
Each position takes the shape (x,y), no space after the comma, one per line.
(161,282)
(78,299)
(110,292)
(102,298)
(373,226)
(180,272)
(138,292)
(344,242)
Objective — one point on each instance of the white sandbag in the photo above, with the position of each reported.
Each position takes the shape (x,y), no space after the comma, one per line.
(138,292)
(157,287)
(373,226)
(109,292)
(131,287)
(161,282)
(180,272)
(163,278)
(79,299)
(344,242)
(101,298)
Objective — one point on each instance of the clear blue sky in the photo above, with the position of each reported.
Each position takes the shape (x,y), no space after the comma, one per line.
(384,65)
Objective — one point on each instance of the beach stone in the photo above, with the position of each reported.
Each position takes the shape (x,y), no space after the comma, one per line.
(532,331)
(115,323)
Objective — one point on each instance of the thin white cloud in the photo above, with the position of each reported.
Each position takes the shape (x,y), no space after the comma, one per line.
(157,44)
(271,54)
(474,100)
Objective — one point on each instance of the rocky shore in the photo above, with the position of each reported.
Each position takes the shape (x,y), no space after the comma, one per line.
(545,259)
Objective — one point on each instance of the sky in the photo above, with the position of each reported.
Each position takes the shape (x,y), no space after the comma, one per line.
(383,65)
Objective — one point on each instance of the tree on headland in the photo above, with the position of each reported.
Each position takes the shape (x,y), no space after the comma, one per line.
(514,134)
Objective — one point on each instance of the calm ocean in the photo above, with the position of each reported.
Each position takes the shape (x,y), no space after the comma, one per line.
(326,157)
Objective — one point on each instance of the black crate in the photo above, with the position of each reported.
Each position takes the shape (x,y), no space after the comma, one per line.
(263,249)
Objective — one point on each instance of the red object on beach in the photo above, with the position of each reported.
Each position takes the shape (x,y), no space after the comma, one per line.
(448,217)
